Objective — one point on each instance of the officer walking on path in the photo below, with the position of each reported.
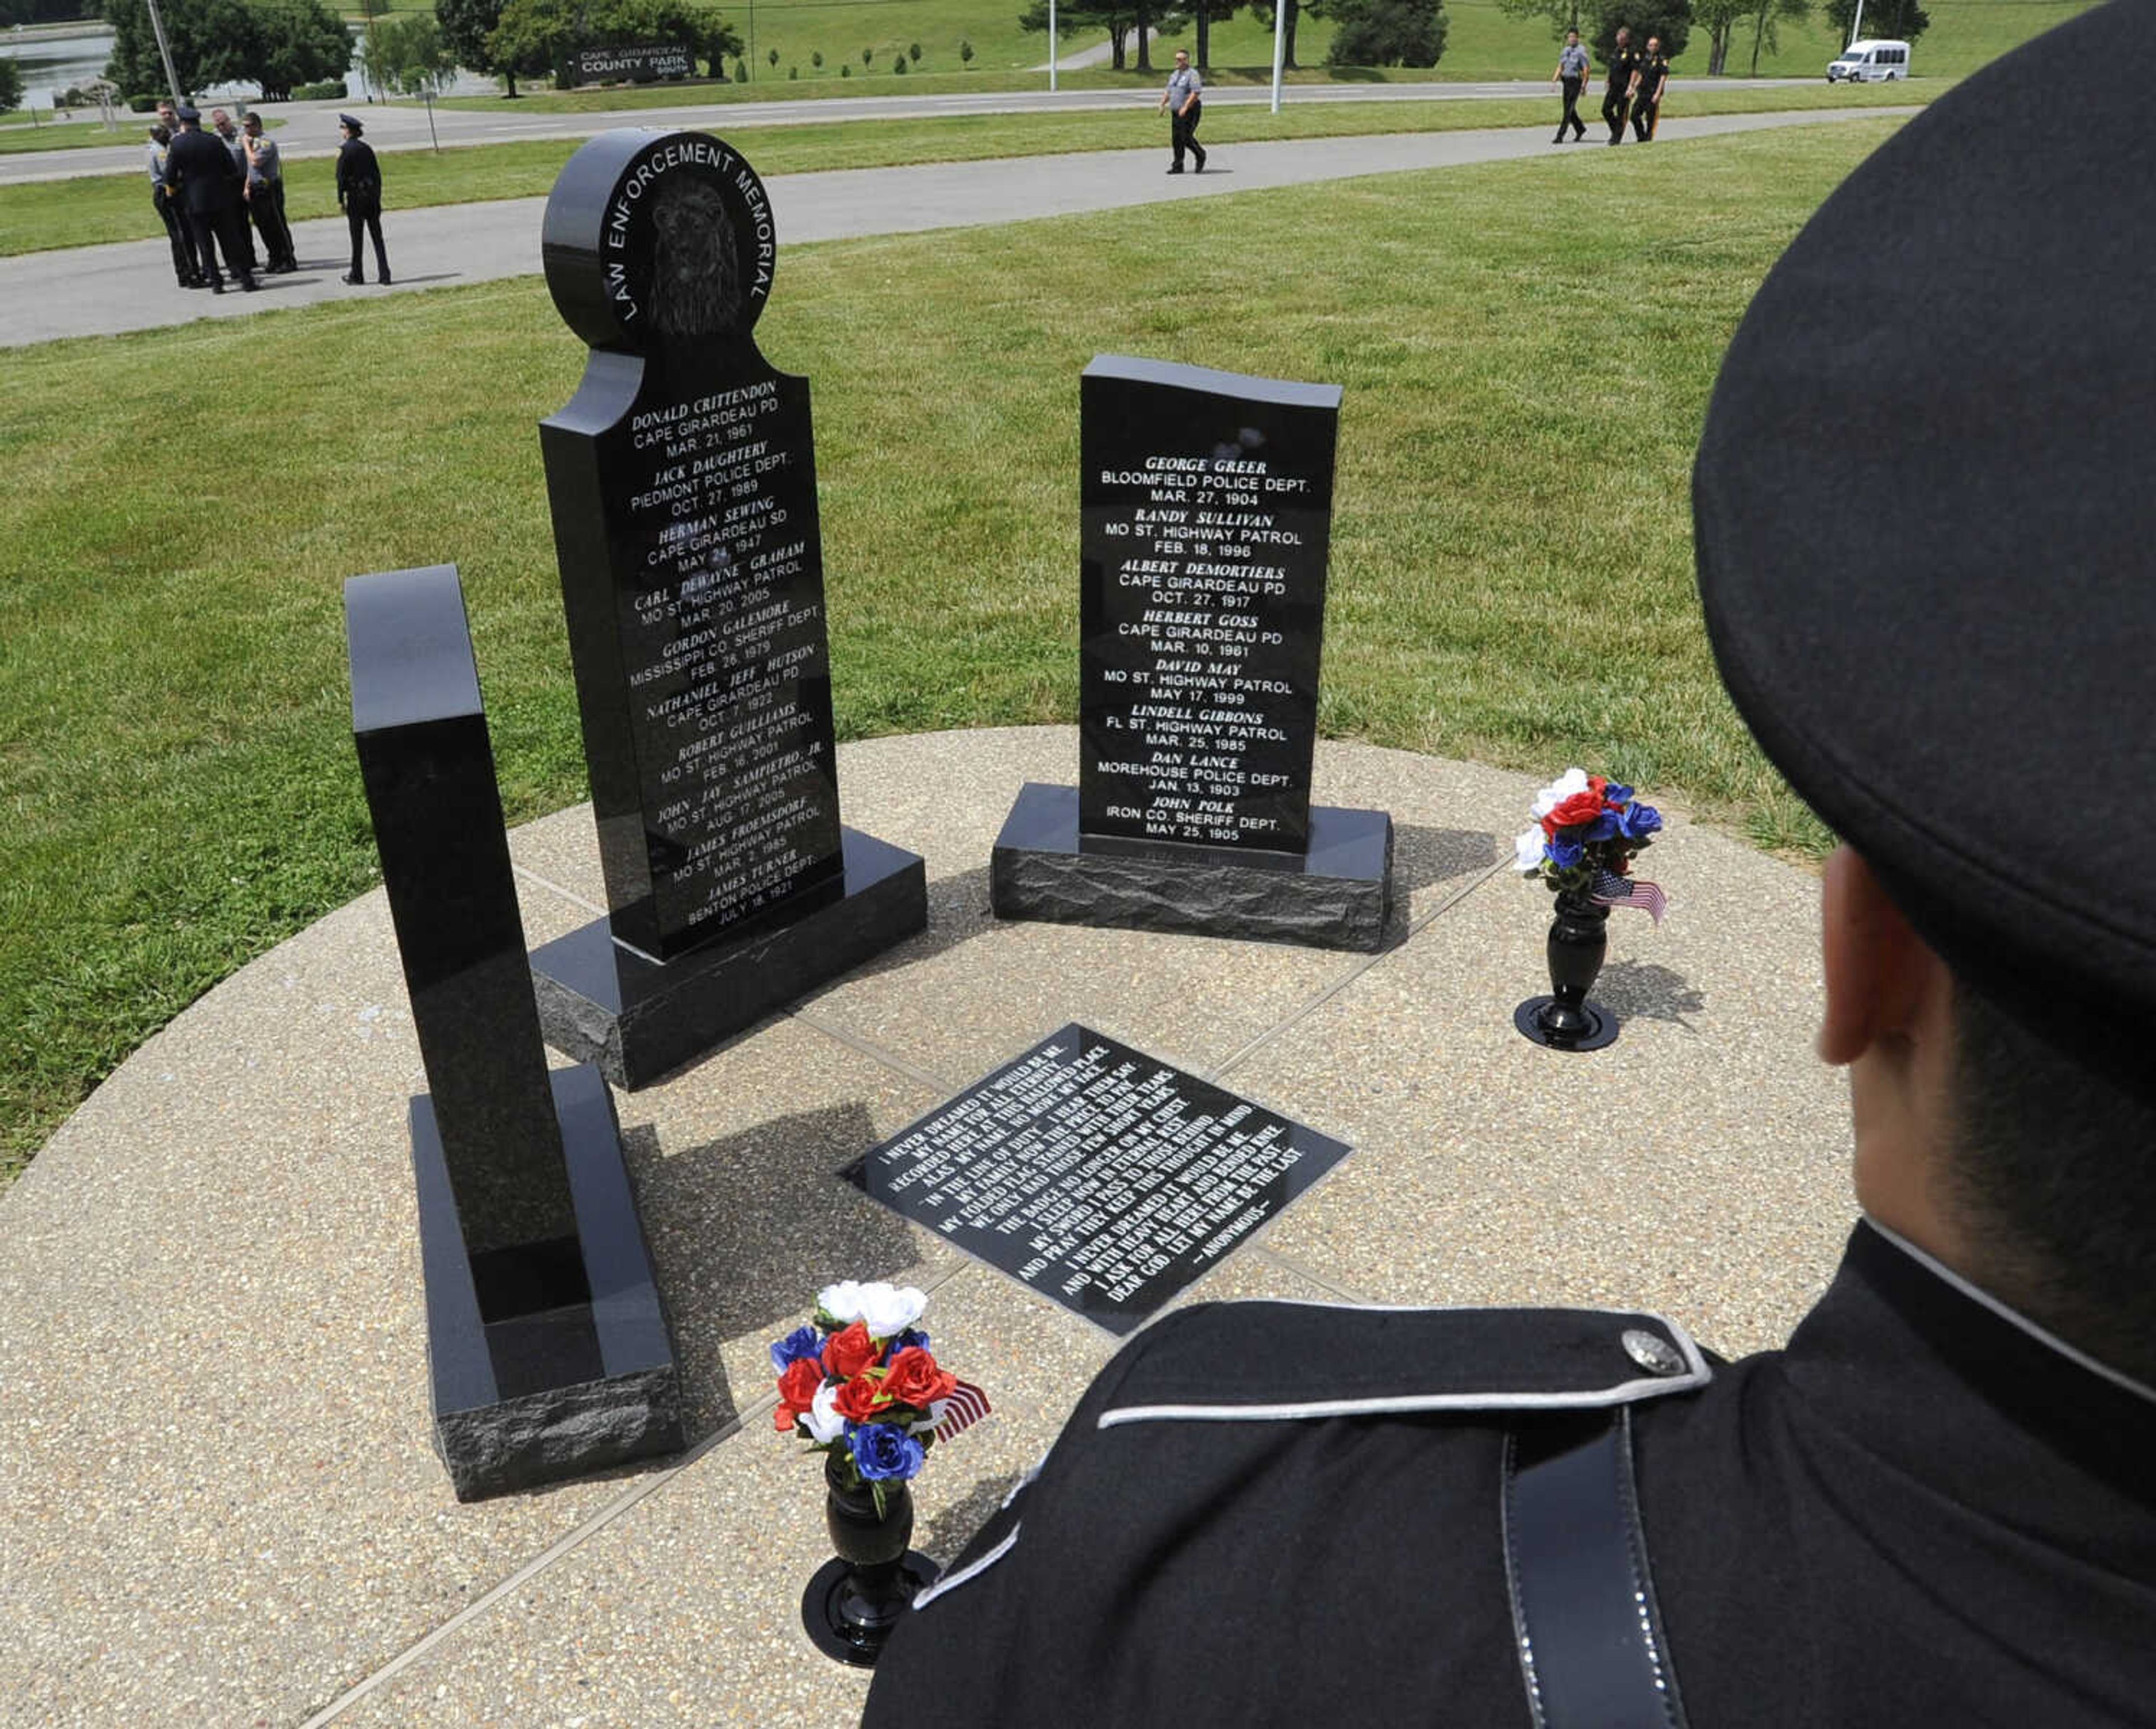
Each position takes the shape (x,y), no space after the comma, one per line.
(1571,74)
(1182,96)
(359,191)
(198,171)
(1653,78)
(1937,1504)
(1623,68)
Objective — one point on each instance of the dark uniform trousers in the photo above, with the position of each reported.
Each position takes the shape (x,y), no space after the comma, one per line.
(362,219)
(1920,1512)
(265,205)
(225,227)
(1614,101)
(1185,135)
(1571,116)
(184,267)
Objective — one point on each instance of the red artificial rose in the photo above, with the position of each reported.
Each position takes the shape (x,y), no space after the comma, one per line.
(782,1419)
(798,1385)
(1595,783)
(849,1351)
(860,1399)
(1580,807)
(913,1379)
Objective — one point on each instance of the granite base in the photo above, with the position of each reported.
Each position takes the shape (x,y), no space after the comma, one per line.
(639,1019)
(549,1360)
(1338,895)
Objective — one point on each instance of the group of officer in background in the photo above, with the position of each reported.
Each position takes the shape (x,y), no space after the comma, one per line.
(206,186)
(209,186)
(1636,83)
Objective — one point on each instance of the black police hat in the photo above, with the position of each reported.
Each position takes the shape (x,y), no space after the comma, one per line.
(187,111)
(1926,526)
(346,121)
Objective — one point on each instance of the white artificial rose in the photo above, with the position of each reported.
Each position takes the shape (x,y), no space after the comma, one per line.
(1527,851)
(887,1310)
(1573,780)
(841,1301)
(823,1423)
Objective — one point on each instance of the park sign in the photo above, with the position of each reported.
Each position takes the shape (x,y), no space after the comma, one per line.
(682,478)
(635,63)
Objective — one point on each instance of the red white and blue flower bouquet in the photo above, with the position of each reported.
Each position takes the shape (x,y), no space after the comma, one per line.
(860,1385)
(1588,830)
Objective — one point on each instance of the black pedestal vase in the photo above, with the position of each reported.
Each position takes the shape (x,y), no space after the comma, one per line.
(1566,1020)
(854,1600)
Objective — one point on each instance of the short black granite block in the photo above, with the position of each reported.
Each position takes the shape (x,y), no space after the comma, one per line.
(639,1019)
(1337,895)
(585,1379)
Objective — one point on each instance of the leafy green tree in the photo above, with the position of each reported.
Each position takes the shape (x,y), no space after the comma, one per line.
(816,59)
(1766,14)
(913,54)
(277,44)
(467,26)
(1263,13)
(868,55)
(1720,19)
(1383,32)
(1669,20)
(965,54)
(1118,17)
(1561,15)
(406,52)
(11,84)
(898,65)
(1896,20)
(549,31)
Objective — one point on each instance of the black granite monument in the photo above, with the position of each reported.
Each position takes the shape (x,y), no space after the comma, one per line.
(683,482)
(549,1352)
(1207,509)
(1096,1175)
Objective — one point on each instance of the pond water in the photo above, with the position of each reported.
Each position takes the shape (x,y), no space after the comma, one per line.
(56,64)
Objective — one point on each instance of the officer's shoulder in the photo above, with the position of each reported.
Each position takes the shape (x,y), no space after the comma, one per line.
(1251,1362)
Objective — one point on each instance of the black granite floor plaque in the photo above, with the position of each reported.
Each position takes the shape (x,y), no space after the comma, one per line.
(1097,1175)
(639,1018)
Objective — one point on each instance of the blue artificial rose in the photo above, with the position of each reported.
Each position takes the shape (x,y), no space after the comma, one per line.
(802,1341)
(1603,828)
(1616,794)
(1565,853)
(885,1453)
(1636,822)
(912,1338)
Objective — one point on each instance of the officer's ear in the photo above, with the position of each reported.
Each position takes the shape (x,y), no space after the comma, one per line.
(1882,979)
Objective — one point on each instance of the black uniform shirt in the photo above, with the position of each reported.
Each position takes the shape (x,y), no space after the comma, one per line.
(1622,65)
(1653,69)
(199,171)
(358,176)
(1921,1511)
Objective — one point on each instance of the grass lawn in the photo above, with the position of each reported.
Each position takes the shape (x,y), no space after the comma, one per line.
(103,207)
(1510,582)
(83,132)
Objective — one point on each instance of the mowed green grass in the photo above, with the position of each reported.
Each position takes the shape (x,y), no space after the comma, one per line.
(96,210)
(1510,576)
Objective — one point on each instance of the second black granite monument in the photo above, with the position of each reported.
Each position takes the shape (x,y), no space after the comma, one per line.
(682,477)
(1206,514)
(547,1348)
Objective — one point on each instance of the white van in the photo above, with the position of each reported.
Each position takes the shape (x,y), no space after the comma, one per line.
(1869,62)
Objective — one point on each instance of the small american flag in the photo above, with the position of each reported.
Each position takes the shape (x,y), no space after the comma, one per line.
(966,1405)
(1611,890)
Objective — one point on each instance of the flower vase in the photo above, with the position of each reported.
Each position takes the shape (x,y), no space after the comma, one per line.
(1565,1020)
(853,1601)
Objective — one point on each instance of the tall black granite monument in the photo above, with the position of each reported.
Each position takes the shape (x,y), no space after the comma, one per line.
(682,477)
(1206,514)
(548,1349)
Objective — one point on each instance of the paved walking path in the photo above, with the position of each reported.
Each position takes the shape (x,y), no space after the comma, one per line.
(310,127)
(97,290)
(221,1504)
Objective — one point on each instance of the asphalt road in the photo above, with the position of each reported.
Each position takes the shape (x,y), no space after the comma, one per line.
(310,127)
(95,290)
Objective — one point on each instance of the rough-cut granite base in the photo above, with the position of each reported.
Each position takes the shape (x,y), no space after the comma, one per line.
(1337,895)
(639,1019)
(551,1361)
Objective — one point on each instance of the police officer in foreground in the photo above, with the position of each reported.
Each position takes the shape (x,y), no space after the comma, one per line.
(1924,556)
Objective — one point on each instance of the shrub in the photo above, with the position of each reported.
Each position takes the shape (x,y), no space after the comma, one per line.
(913,54)
(143,105)
(845,69)
(868,57)
(966,53)
(794,72)
(773,58)
(816,59)
(898,65)
(330,89)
